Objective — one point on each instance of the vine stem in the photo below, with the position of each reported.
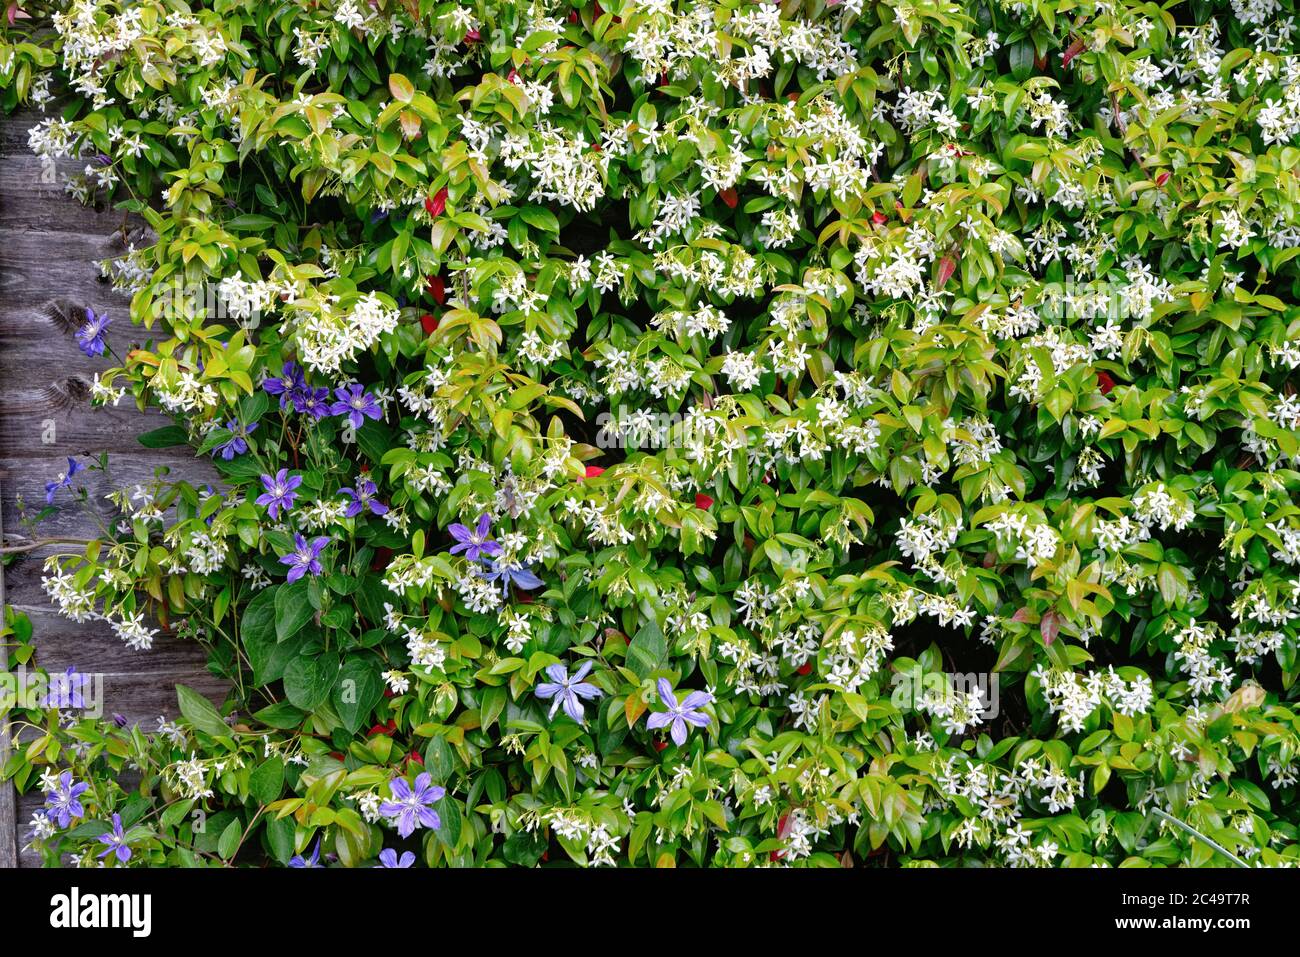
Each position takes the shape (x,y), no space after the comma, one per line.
(1199,836)
(41,543)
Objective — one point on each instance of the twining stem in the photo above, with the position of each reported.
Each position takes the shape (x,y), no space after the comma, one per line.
(42,542)
(1199,836)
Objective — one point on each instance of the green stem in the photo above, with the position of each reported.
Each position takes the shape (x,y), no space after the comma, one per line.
(1199,836)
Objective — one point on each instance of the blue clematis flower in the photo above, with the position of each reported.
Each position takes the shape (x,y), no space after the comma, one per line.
(90,337)
(63,481)
(506,574)
(562,689)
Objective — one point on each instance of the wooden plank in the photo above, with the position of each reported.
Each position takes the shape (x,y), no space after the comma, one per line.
(51,274)
(8,804)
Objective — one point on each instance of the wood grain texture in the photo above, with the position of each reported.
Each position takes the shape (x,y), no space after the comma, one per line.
(50,275)
(8,803)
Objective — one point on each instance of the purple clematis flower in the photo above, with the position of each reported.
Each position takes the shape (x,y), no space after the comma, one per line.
(476,543)
(238,444)
(562,689)
(116,841)
(279,492)
(362,498)
(305,557)
(510,573)
(314,861)
(65,690)
(680,715)
(313,402)
(357,404)
(292,383)
(63,804)
(90,337)
(411,806)
(63,481)
(388,858)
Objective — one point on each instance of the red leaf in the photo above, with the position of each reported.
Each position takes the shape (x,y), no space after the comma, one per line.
(1050,627)
(472,36)
(805,668)
(436,204)
(429,324)
(730,197)
(1021,615)
(879,218)
(947,266)
(438,290)
(1072,51)
(1162,179)
(593,471)
(782,830)
(703,501)
(1105,382)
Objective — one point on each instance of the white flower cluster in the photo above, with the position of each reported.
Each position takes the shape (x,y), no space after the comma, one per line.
(328,336)
(1194,657)
(1034,543)
(563,168)
(999,798)
(1074,697)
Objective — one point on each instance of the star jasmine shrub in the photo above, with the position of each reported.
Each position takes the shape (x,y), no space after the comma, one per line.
(686,432)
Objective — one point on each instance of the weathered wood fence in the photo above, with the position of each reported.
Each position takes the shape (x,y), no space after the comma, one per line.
(50,247)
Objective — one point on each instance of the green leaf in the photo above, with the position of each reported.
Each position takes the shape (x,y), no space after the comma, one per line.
(200,713)
(307,680)
(229,841)
(164,438)
(358,689)
(647,653)
(292,609)
(267,780)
